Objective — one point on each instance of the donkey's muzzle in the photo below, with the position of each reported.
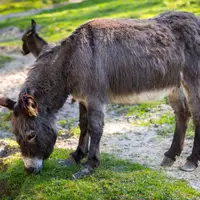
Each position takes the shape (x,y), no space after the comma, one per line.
(30,170)
(23,53)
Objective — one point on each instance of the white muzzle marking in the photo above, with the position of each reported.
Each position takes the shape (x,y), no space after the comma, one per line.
(36,163)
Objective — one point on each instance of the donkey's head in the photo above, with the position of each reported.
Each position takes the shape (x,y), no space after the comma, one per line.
(27,37)
(35,134)
(32,42)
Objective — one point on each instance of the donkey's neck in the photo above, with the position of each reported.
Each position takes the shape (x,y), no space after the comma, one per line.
(47,81)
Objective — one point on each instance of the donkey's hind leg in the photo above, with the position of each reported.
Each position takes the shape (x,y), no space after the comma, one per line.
(192,88)
(82,148)
(179,104)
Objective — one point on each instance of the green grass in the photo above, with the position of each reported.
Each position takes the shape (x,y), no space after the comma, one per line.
(151,114)
(155,115)
(5,121)
(12,6)
(115,179)
(4,60)
(10,142)
(58,23)
(69,124)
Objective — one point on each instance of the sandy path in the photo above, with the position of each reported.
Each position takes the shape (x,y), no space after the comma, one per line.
(138,144)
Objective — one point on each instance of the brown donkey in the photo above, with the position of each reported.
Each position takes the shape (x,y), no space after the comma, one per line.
(111,61)
(32,42)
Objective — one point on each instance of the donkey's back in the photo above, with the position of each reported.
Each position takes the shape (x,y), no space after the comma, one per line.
(122,57)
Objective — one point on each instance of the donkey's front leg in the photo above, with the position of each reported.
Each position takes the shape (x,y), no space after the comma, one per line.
(95,129)
(82,148)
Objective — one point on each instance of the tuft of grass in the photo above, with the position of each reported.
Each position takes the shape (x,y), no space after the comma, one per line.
(5,59)
(9,142)
(67,123)
(75,131)
(115,179)
(61,132)
(5,121)
(70,125)
(190,130)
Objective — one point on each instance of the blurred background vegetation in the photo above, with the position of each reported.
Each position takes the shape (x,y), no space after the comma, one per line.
(59,21)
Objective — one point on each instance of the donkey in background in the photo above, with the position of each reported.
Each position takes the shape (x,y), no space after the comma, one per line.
(111,61)
(32,42)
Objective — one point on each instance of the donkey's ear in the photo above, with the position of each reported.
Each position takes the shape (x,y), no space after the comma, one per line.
(28,103)
(8,103)
(33,24)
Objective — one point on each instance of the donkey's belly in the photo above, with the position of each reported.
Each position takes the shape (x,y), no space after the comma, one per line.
(147,96)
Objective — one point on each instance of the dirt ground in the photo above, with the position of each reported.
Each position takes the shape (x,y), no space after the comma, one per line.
(138,144)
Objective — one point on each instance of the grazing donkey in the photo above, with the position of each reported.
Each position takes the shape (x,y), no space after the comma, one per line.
(111,61)
(32,42)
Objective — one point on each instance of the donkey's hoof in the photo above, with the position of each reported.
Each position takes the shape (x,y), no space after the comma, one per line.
(167,162)
(68,162)
(83,172)
(188,166)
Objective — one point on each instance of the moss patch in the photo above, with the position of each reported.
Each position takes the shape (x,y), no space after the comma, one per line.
(115,179)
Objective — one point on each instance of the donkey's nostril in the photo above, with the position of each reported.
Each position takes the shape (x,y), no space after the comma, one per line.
(30,170)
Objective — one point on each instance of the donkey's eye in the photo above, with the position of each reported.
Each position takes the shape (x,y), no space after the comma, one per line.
(31,136)
(33,105)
